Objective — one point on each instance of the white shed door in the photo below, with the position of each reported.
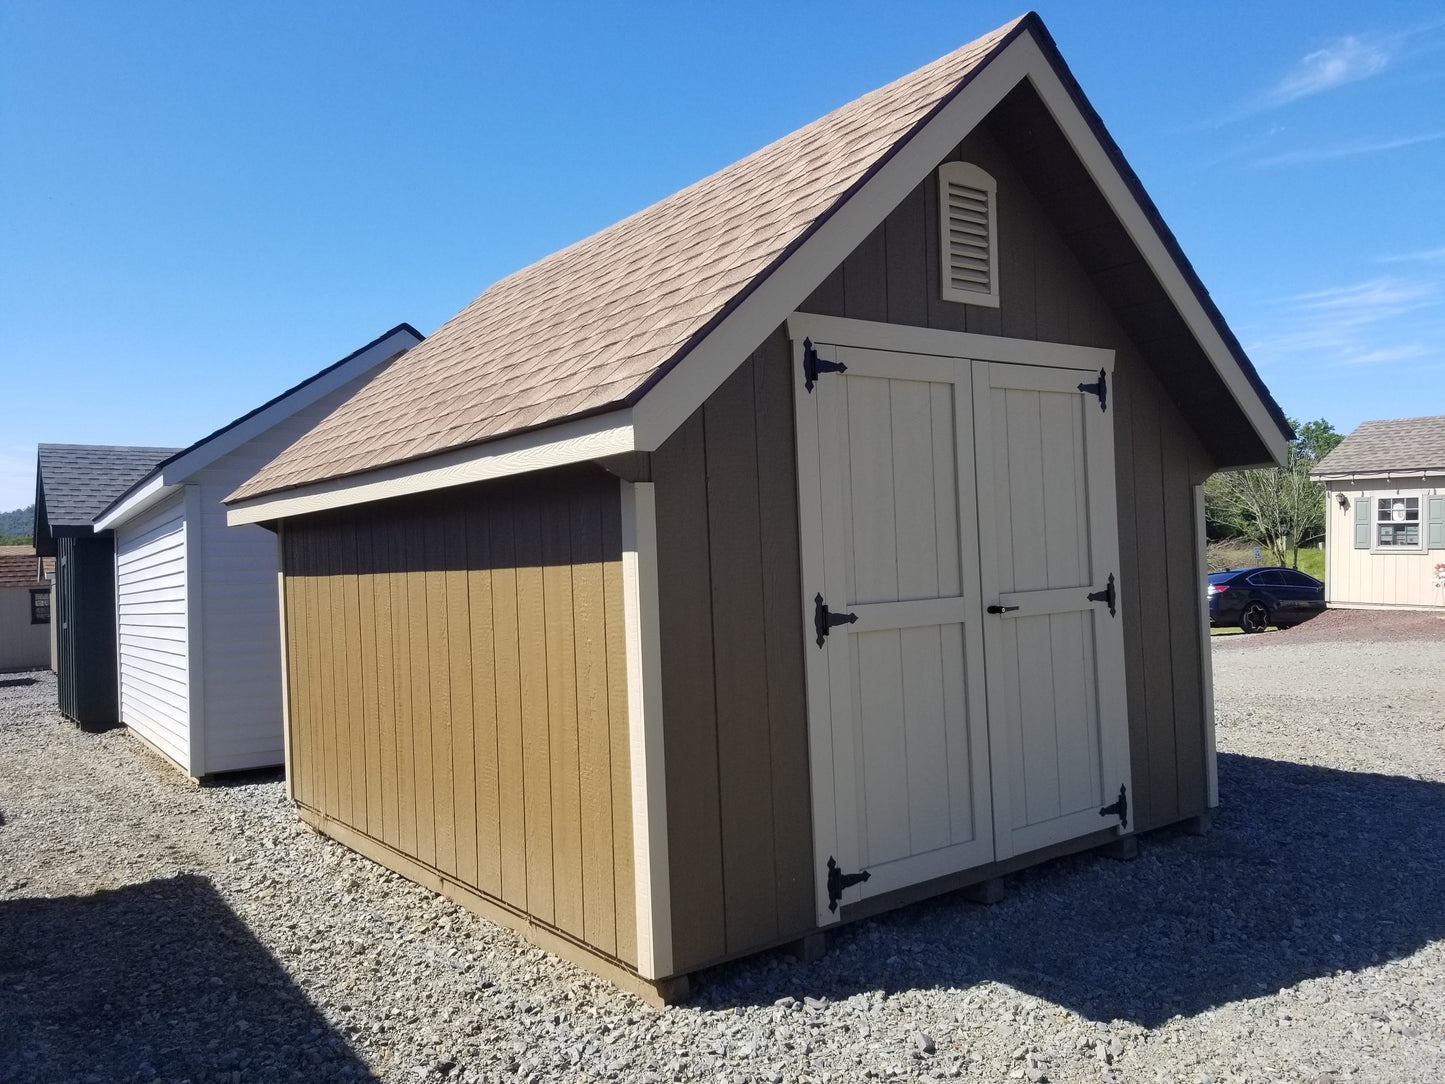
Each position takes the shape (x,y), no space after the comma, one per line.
(1057,716)
(903,719)
(943,736)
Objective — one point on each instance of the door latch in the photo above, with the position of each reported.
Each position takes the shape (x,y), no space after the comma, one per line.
(1106,595)
(1001,609)
(838,881)
(824,620)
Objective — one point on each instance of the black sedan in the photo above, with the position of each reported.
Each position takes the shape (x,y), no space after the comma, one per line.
(1255,598)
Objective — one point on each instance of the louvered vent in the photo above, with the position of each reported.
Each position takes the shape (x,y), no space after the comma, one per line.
(966,215)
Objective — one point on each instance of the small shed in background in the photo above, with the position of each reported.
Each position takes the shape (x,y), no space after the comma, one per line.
(197,623)
(24,608)
(1385,515)
(73,482)
(825,536)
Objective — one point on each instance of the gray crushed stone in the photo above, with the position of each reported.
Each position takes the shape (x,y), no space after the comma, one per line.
(154,930)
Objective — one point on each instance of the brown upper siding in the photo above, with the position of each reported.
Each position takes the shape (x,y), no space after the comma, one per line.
(457,676)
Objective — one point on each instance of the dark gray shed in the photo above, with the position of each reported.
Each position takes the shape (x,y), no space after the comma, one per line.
(73,483)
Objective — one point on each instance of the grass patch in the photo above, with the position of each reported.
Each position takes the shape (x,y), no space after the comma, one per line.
(1235,554)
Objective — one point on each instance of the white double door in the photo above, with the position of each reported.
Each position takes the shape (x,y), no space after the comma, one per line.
(960,512)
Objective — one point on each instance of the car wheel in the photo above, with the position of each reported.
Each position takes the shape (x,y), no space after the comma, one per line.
(1255,617)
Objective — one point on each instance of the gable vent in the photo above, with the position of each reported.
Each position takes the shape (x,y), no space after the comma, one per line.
(968,247)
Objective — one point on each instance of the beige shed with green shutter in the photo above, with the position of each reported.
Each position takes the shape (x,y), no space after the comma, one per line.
(1385,515)
(826,536)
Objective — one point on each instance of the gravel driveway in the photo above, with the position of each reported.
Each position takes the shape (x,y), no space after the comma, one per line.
(150,929)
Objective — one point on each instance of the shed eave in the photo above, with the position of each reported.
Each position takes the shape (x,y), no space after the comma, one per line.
(1377,475)
(140,500)
(576,441)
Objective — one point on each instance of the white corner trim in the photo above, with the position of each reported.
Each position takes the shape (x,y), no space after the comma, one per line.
(1201,565)
(195,632)
(287,759)
(555,446)
(139,502)
(644,726)
(904,338)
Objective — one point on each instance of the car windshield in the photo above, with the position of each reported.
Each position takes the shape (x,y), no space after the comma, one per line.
(1222,577)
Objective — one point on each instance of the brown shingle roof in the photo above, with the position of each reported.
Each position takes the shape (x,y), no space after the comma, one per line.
(17,566)
(592,326)
(1392,444)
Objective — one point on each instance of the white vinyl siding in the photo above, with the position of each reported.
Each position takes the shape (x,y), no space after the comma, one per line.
(1383,575)
(151,625)
(240,624)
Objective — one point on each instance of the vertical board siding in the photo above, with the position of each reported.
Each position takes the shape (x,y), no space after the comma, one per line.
(460,695)
(734,719)
(1047,295)
(152,629)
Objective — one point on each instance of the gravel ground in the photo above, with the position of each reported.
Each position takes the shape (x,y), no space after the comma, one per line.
(151,929)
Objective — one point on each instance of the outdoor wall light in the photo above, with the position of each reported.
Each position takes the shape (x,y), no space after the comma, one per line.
(1344,501)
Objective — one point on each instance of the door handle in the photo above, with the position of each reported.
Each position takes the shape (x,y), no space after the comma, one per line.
(1001,609)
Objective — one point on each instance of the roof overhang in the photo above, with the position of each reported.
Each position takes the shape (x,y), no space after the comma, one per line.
(1353,477)
(575,441)
(701,366)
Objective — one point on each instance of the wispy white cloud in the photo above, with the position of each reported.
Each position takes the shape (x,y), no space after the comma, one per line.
(1386,321)
(1433,255)
(1347,60)
(1347,150)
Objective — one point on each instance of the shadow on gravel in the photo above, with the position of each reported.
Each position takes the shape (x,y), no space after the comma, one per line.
(153,980)
(1308,871)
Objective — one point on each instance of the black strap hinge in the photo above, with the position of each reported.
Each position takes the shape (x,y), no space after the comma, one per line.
(1106,595)
(838,881)
(824,619)
(1101,389)
(1119,809)
(813,365)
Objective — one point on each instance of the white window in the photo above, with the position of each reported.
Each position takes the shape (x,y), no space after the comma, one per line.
(968,245)
(1397,522)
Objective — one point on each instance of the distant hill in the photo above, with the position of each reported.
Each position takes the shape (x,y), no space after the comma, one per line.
(15,527)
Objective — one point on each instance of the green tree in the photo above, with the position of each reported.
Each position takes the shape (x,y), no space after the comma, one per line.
(1276,508)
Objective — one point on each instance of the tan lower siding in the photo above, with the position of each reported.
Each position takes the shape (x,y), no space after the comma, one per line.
(460,700)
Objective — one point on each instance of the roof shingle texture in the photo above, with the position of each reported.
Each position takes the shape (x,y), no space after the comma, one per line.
(18,568)
(586,328)
(80,480)
(1393,444)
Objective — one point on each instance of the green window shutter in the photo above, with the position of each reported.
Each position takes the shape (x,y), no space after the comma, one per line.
(1362,523)
(1437,522)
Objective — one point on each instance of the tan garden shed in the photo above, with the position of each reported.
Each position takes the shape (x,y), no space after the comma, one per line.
(839,514)
(1385,515)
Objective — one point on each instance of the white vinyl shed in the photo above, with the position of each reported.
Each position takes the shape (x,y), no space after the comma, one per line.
(198,632)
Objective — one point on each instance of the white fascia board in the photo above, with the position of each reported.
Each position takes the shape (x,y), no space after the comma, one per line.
(907,339)
(570,442)
(681,391)
(1354,477)
(206,453)
(142,500)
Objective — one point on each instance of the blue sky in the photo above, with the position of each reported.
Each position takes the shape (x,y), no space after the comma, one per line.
(203,204)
